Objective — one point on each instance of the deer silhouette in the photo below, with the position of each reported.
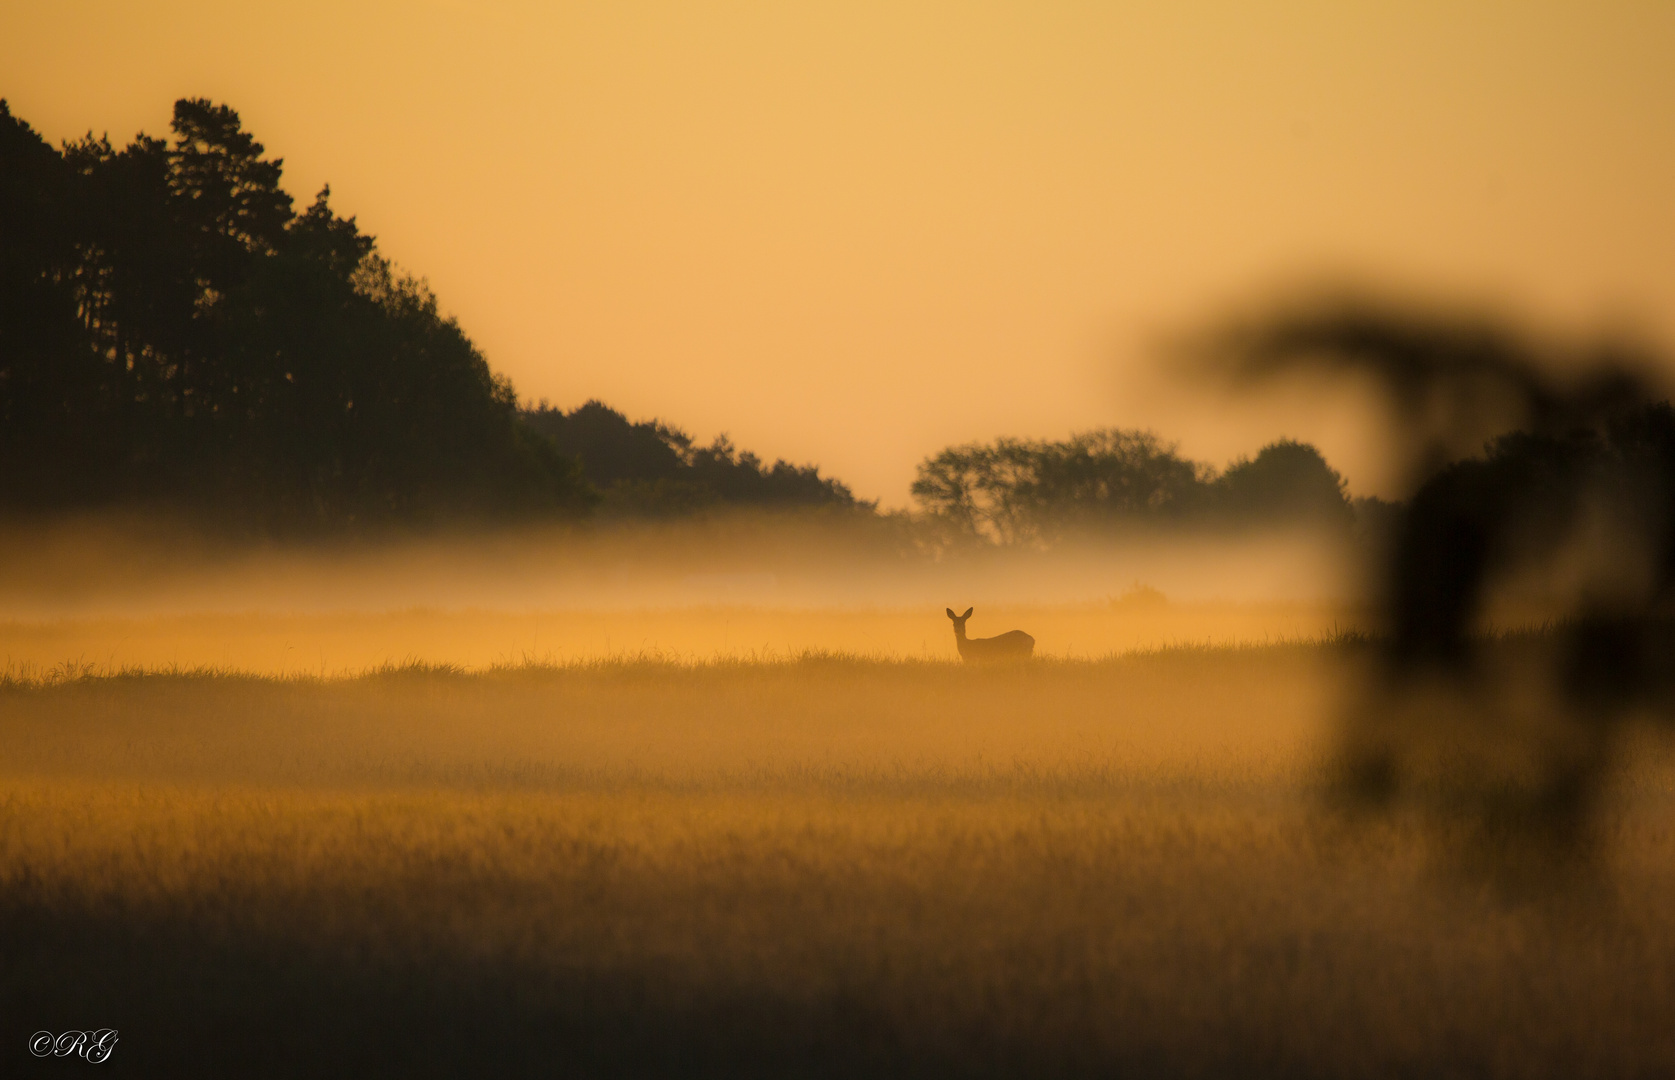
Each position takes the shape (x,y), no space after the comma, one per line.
(1012,645)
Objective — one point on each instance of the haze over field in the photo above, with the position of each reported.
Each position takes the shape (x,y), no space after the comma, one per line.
(108,597)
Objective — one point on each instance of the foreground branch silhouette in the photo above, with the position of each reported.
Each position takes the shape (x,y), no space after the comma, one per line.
(1514,737)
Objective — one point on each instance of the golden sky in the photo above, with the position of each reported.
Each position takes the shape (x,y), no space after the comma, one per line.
(854,233)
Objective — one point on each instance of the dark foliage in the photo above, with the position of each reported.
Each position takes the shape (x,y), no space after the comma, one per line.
(1016,491)
(609,447)
(652,467)
(173,334)
(1286,481)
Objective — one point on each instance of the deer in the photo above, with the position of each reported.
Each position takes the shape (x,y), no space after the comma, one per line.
(1012,645)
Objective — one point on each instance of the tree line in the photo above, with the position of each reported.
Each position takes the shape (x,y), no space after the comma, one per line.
(1039,492)
(651,467)
(175,334)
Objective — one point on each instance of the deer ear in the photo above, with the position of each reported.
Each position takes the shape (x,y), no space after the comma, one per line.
(968,612)
(950,612)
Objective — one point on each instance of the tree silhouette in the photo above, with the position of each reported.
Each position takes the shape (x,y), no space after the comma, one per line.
(611,449)
(173,334)
(652,467)
(1286,481)
(1017,491)
(49,378)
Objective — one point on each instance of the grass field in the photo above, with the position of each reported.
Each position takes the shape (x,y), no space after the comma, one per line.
(326,643)
(823,865)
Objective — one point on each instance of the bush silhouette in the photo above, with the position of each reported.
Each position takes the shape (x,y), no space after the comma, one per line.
(1287,480)
(1016,491)
(653,467)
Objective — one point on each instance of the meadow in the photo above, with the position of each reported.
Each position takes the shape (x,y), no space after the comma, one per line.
(339,643)
(809,864)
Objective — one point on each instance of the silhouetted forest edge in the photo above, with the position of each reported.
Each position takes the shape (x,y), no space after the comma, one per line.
(176,338)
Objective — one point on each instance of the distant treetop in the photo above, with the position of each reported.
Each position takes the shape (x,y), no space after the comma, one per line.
(1019,491)
(652,467)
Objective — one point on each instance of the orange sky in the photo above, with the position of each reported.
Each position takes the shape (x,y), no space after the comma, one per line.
(854,233)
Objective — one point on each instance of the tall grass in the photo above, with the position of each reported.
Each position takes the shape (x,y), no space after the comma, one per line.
(814,864)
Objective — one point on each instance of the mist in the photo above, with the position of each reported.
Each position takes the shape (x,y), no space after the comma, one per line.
(119,594)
